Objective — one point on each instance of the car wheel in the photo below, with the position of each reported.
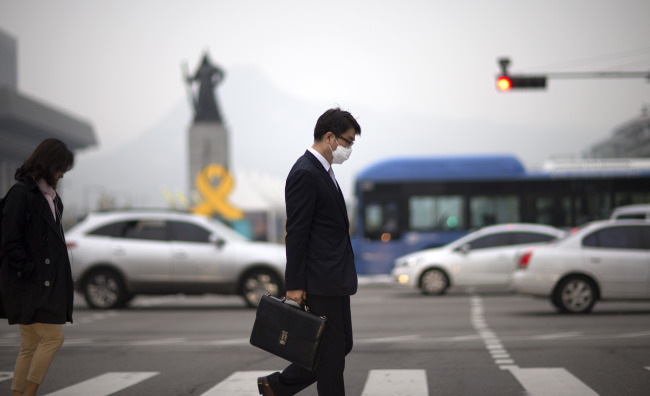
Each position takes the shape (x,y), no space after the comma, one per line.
(104,289)
(257,283)
(434,282)
(575,295)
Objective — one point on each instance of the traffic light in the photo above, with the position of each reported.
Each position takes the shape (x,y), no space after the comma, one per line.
(505,82)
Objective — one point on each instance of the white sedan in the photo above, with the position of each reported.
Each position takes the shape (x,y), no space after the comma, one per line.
(603,260)
(484,258)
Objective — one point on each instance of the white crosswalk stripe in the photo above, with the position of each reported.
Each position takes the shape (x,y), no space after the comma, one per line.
(6,375)
(551,382)
(396,383)
(239,383)
(105,384)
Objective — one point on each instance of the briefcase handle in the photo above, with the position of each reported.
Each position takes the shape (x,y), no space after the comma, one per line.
(302,305)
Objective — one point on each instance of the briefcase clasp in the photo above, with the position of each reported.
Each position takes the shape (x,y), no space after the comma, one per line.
(283,337)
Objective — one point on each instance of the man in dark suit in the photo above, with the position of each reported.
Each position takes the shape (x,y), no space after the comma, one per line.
(320,262)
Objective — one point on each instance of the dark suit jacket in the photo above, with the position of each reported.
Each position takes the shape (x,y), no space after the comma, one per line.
(319,252)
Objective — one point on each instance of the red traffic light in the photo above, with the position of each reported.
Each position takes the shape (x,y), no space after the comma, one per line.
(504,83)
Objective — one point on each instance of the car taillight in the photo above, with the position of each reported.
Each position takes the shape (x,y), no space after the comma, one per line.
(524,259)
(71,244)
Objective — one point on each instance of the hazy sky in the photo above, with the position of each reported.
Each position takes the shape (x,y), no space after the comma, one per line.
(117,64)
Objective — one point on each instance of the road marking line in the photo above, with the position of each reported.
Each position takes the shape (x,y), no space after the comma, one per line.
(556,336)
(396,383)
(504,361)
(94,317)
(236,341)
(7,375)
(239,383)
(389,339)
(491,340)
(162,341)
(632,335)
(551,382)
(104,384)
(647,368)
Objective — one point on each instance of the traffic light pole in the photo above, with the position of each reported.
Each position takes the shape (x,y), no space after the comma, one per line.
(574,75)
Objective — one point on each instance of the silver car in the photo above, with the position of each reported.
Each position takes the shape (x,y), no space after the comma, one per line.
(484,258)
(602,260)
(117,255)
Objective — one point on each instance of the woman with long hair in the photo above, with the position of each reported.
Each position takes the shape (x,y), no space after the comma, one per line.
(35,276)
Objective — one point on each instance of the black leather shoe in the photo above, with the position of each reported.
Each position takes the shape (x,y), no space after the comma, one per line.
(264,387)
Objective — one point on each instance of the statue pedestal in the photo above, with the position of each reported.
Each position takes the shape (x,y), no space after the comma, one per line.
(207,144)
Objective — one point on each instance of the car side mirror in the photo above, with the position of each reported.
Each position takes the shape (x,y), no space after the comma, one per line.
(464,249)
(219,242)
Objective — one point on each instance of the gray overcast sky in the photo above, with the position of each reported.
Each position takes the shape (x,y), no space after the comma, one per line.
(117,64)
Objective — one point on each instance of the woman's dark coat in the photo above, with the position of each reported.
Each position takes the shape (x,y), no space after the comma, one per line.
(35,275)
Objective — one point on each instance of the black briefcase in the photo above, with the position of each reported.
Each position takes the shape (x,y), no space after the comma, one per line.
(289,332)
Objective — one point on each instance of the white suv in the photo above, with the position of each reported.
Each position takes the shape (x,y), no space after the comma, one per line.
(603,260)
(117,255)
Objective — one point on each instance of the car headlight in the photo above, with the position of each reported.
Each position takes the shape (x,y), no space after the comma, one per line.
(411,262)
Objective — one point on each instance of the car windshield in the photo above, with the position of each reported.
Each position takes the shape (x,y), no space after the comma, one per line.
(226,231)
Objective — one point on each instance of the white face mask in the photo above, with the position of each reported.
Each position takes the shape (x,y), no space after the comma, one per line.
(341,154)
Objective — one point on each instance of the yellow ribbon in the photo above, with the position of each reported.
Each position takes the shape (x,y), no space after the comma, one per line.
(215,198)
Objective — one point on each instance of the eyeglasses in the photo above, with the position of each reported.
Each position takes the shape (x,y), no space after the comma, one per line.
(349,142)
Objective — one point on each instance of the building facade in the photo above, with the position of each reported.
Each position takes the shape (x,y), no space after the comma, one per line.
(25,122)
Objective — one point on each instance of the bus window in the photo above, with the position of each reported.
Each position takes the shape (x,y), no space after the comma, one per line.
(627,198)
(591,206)
(488,210)
(555,211)
(427,213)
(381,221)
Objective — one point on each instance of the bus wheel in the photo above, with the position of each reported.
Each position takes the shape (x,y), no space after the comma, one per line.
(434,282)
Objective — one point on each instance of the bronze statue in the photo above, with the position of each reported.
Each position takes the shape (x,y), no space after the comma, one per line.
(208,76)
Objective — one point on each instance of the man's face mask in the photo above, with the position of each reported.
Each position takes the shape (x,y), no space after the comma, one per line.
(341,154)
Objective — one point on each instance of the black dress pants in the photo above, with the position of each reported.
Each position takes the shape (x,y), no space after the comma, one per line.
(338,343)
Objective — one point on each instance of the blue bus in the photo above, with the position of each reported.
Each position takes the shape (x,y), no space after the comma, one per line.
(408,204)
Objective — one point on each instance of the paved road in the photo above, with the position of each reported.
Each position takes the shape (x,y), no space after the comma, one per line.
(464,343)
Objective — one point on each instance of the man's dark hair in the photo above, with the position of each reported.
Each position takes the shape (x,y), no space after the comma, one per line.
(336,121)
(50,157)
